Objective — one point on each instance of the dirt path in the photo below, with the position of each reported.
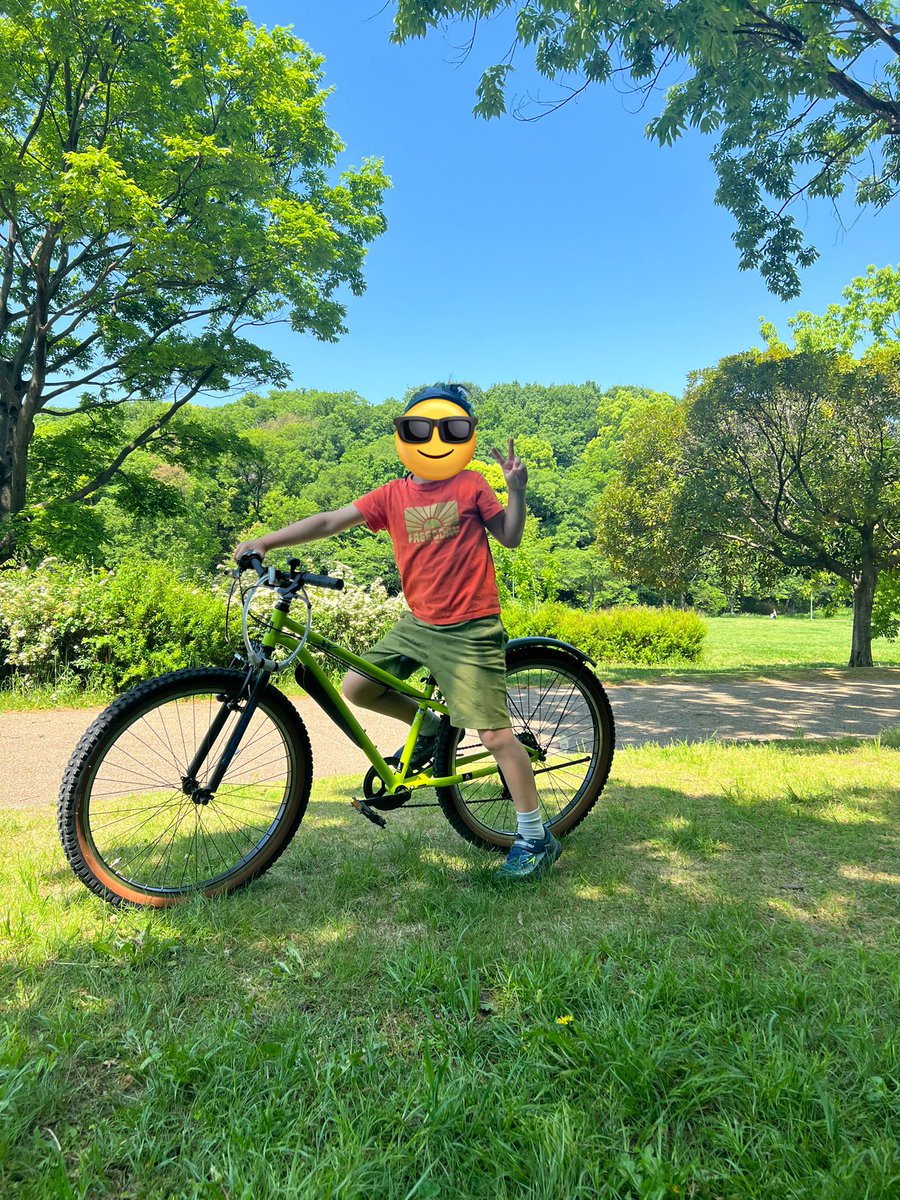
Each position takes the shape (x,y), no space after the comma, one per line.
(35,746)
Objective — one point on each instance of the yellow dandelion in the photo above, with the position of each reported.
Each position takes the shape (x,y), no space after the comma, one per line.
(566,1020)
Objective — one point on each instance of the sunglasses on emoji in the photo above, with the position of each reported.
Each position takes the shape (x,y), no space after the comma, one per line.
(418,430)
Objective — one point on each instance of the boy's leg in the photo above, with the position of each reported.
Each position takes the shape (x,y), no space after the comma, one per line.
(367,693)
(535,849)
(399,653)
(513,760)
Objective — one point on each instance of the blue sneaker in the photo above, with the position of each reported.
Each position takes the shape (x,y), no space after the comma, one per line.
(423,751)
(527,860)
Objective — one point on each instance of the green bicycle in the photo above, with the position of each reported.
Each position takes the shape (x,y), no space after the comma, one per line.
(196,781)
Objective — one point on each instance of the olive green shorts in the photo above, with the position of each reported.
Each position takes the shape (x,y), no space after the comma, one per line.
(467,660)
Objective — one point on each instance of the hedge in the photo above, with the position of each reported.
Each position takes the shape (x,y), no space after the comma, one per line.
(646,636)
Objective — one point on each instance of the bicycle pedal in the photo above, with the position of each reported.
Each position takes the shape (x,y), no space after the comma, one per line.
(369,813)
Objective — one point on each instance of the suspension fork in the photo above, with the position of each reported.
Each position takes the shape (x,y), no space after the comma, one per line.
(190,785)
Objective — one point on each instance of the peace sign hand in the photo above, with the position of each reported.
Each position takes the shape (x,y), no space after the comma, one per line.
(514,470)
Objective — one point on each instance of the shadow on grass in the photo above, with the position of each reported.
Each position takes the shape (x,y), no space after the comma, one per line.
(805,860)
(698,961)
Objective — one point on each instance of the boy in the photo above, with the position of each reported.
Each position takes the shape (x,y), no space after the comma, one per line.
(436,517)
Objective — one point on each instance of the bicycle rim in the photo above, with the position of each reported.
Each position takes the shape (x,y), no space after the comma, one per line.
(560,713)
(146,840)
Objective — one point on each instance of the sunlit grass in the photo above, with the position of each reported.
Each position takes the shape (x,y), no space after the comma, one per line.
(749,641)
(699,1001)
(758,645)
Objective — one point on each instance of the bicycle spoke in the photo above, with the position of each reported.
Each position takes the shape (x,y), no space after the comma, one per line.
(166,744)
(123,767)
(157,837)
(551,709)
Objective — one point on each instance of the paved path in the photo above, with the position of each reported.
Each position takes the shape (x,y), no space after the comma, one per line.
(35,746)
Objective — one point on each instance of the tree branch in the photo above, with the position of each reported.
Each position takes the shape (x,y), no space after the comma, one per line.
(135,444)
(67,386)
(143,438)
(871,23)
(45,100)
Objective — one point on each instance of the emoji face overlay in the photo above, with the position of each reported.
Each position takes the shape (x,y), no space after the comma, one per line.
(435,459)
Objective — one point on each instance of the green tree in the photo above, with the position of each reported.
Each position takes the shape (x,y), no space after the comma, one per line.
(528,575)
(870,312)
(637,526)
(886,611)
(165,185)
(796,456)
(586,581)
(869,315)
(562,415)
(802,97)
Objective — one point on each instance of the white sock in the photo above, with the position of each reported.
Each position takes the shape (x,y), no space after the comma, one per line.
(531,827)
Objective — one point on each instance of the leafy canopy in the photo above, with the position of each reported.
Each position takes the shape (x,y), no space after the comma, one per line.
(167,184)
(802,97)
(870,312)
(797,455)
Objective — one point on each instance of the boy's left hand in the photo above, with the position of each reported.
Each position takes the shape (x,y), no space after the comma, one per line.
(514,470)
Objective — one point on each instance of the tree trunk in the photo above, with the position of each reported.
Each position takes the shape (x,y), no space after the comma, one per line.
(15,434)
(863,599)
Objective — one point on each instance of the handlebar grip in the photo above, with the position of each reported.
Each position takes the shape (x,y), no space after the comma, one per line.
(252,558)
(327,581)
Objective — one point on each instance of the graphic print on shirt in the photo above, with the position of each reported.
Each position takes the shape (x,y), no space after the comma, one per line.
(432,522)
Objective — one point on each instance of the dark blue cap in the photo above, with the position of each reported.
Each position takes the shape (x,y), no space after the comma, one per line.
(449,391)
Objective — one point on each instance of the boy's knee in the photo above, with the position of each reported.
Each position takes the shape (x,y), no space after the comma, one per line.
(496,739)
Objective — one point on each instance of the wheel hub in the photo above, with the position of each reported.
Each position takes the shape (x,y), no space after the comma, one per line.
(527,738)
(192,789)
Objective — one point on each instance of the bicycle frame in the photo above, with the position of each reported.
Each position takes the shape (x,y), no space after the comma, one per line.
(275,635)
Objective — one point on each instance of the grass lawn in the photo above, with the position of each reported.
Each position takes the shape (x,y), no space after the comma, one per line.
(759,645)
(749,642)
(700,1001)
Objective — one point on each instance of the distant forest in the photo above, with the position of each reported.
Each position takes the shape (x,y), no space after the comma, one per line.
(215,475)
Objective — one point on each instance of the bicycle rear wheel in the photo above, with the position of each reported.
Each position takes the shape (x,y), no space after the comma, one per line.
(558,709)
(133,828)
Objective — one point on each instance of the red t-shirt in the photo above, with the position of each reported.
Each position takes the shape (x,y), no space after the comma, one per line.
(440,544)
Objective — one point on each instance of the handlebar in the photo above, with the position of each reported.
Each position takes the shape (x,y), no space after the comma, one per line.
(278,578)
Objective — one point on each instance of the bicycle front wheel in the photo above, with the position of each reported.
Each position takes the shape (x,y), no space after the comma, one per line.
(561,713)
(138,830)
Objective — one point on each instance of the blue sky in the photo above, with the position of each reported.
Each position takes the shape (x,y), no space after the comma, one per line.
(556,251)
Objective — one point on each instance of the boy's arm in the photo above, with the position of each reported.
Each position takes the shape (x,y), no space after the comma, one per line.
(343,518)
(508,526)
(496,525)
(310,529)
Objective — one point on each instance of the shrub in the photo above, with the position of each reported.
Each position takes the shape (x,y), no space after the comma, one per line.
(621,635)
(109,628)
(145,621)
(114,628)
(886,613)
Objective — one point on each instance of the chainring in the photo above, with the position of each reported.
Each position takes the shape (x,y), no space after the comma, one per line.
(374,789)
